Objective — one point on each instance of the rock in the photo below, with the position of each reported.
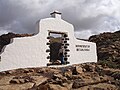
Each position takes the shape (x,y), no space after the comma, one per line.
(107,72)
(55,76)
(96,79)
(98,68)
(21,81)
(58,81)
(104,79)
(17,86)
(39,79)
(68,74)
(78,83)
(10,72)
(41,71)
(68,86)
(2,73)
(89,67)
(103,86)
(65,80)
(57,87)
(76,77)
(28,78)
(116,75)
(77,70)
(41,87)
(31,70)
(26,70)
(57,62)
(15,81)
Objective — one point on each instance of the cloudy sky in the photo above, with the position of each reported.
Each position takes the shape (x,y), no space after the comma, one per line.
(88,16)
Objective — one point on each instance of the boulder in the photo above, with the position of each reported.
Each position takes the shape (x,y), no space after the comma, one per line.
(21,81)
(56,87)
(39,79)
(55,76)
(77,70)
(15,81)
(78,83)
(89,67)
(68,74)
(17,86)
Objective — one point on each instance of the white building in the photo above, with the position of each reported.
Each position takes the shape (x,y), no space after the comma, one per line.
(35,51)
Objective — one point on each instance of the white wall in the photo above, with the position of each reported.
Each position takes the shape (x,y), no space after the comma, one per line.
(31,51)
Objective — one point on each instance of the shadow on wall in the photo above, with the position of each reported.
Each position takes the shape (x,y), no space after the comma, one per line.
(54,50)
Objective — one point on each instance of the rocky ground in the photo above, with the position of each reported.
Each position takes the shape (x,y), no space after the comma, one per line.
(88,76)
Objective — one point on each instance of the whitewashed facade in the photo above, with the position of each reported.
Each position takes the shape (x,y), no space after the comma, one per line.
(31,51)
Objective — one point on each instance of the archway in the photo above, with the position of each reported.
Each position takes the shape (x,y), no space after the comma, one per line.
(56,41)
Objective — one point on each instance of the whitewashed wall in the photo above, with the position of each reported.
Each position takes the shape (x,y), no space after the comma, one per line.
(31,51)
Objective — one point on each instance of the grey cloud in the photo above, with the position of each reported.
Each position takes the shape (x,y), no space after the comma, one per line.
(87,16)
(9,12)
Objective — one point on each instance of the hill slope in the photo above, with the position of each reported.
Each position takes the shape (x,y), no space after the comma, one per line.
(108,48)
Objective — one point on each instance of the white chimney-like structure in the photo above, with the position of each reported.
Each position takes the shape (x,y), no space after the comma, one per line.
(56,14)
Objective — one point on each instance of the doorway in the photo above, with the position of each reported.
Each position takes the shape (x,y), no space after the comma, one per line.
(56,41)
